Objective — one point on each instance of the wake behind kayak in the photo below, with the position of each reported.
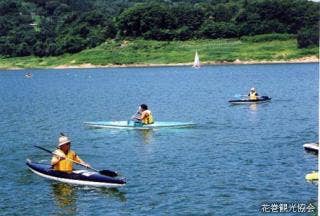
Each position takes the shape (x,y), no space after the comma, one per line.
(133,125)
(77,177)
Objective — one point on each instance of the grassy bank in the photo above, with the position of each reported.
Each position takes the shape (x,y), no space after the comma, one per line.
(158,52)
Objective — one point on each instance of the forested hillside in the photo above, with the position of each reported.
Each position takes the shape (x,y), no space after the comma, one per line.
(55,27)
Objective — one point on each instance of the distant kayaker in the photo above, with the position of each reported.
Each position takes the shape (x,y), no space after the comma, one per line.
(60,158)
(28,75)
(253,95)
(144,115)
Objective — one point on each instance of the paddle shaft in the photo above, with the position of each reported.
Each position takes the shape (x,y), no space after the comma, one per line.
(134,116)
(239,95)
(102,172)
(39,147)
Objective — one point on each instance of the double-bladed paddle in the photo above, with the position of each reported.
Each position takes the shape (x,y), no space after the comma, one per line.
(240,95)
(133,117)
(102,172)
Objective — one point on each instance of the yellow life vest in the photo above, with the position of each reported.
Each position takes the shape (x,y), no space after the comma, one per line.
(65,165)
(253,95)
(148,118)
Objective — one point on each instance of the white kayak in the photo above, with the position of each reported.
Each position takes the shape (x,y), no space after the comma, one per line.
(139,126)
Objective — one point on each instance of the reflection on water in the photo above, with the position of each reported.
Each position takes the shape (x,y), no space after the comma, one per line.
(65,194)
(253,107)
(114,192)
(65,197)
(146,135)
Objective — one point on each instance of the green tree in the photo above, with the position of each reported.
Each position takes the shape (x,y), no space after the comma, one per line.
(187,15)
(211,29)
(144,20)
(308,37)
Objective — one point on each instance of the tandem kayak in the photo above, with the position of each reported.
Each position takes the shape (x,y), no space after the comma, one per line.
(312,147)
(77,177)
(248,101)
(133,125)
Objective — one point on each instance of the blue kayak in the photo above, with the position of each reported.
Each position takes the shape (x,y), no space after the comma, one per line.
(312,147)
(135,125)
(249,101)
(77,177)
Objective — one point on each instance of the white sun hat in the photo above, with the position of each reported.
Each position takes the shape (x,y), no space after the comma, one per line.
(63,140)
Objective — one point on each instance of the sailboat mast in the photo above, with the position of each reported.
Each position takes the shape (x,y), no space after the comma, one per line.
(196,63)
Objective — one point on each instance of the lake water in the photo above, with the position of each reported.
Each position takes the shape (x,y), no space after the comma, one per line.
(237,158)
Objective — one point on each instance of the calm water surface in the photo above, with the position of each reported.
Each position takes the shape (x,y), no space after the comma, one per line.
(238,157)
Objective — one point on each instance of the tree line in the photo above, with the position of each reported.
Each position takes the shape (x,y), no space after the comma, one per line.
(55,27)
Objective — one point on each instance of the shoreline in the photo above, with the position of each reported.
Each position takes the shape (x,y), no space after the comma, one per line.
(307,59)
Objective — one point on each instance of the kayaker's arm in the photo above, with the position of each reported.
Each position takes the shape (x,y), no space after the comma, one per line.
(137,115)
(54,160)
(57,156)
(79,160)
(142,116)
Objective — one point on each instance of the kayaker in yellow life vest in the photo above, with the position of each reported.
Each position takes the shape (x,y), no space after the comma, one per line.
(253,95)
(60,158)
(145,115)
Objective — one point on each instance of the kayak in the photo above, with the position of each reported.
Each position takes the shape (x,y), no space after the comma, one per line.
(135,125)
(77,177)
(312,176)
(313,147)
(249,101)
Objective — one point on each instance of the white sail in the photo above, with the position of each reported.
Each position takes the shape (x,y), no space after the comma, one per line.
(196,63)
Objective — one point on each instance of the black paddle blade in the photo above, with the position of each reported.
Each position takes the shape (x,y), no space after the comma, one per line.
(108,173)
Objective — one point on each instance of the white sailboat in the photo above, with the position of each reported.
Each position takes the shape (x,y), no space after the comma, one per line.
(196,63)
